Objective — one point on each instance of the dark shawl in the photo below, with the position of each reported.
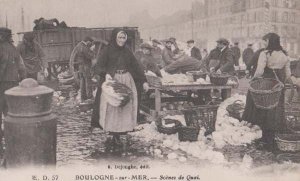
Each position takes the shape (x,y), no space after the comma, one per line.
(113,58)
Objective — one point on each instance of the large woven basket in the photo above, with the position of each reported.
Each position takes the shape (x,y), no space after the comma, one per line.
(154,81)
(265,92)
(219,79)
(203,116)
(288,142)
(194,75)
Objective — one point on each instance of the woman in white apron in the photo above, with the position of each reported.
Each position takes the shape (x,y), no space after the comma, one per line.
(118,62)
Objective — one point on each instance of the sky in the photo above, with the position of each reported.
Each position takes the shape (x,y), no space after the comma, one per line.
(86,13)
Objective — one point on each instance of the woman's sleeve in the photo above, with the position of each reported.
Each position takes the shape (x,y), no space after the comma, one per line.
(100,67)
(138,70)
(261,64)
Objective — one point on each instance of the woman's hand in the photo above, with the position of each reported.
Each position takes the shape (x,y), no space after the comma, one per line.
(46,73)
(146,86)
(108,77)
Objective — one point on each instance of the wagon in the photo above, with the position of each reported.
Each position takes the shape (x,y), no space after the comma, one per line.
(59,43)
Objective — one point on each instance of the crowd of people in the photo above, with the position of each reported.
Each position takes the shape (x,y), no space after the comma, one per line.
(117,62)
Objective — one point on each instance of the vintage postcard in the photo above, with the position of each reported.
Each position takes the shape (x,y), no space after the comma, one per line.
(156,90)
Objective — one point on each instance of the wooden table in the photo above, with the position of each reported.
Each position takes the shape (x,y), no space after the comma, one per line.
(184,87)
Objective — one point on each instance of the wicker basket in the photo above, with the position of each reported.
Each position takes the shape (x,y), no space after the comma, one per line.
(154,81)
(167,130)
(194,75)
(288,142)
(236,109)
(219,79)
(188,133)
(288,157)
(265,92)
(203,116)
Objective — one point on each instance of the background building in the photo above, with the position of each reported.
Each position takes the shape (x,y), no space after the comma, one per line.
(244,21)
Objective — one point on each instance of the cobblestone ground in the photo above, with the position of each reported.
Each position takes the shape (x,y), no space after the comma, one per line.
(76,144)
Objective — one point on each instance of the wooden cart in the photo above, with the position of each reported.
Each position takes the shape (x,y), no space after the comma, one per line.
(59,43)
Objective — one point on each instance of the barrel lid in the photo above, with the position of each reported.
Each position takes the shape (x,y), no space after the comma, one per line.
(29,87)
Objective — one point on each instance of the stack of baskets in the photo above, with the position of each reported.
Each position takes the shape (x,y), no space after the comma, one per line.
(288,142)
(194,75)
(196,118)
(219,79)
(265,92)
(202,117)
(189,132)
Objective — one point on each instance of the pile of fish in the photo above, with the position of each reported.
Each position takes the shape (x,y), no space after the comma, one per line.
(115,93)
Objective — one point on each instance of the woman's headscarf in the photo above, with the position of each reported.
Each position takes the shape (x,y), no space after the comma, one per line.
(115,33)
(274,43)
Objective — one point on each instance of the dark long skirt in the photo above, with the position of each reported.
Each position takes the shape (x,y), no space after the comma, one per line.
(268,120)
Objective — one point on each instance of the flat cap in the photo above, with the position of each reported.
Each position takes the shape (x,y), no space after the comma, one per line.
(190,41)
(170,40)
(156,41)
(223,41)
(29,36)
(146,45)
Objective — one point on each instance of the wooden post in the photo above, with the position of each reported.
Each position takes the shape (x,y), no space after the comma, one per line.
(157,101)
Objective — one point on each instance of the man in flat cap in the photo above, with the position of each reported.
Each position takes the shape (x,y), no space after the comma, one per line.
(148,60)
(33,56)
(236,53)
(157,53)
(176,50)
(193,51)
(81,64)
(167,53)
(226,58)
(12,69)
(247,57)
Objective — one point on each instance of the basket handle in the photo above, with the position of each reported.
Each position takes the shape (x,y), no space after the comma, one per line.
(237,101)
(276,76)
(277,86)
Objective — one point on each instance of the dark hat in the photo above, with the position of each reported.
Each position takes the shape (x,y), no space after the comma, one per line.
(146,45)
(236,43)
(190,41)
(29,36)
(5,31)
(223,41)
(173,38)
(88,38)
(156,41)
(170,40)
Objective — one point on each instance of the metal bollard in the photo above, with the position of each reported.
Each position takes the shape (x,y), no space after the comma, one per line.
(30,127)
